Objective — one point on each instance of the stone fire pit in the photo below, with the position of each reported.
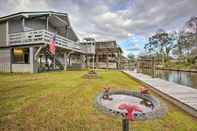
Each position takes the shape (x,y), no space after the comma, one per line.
(129,106)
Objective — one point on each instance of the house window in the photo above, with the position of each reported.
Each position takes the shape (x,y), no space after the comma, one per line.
(20,55)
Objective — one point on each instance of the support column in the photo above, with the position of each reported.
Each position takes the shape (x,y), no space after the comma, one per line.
(69,57)
(31,59)
(87,61)
(47,22)
(69,60)
(11,59)
(23,23)
(65,60)
(7,33)
(97,60)
(107,60)
(83,61)
(40,63)
(46,61)
(23,26)
(93,62)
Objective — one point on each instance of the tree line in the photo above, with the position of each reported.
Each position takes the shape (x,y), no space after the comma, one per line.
(181,45)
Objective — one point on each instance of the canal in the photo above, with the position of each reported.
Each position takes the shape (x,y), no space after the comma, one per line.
(180,77)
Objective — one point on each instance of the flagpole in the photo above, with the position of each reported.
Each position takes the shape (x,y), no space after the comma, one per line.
(54,62)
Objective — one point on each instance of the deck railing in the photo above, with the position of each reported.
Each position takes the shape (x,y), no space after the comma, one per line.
(44,36)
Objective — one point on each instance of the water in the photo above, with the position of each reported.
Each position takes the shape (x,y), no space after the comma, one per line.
(180,77)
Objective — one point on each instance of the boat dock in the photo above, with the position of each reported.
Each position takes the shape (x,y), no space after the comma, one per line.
(183,96)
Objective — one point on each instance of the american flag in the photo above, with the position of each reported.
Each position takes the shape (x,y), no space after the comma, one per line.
(52,46)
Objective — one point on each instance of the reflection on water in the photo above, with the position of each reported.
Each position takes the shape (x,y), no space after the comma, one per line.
(180,77)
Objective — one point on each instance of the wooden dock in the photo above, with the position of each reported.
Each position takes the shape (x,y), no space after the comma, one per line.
(183,96)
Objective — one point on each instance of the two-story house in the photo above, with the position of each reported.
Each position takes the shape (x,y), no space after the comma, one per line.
(107,54)
(25,37)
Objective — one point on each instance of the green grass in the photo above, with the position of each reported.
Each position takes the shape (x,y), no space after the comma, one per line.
(58,101)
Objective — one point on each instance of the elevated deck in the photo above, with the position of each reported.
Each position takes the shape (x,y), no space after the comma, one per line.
(183,96)
(44,36)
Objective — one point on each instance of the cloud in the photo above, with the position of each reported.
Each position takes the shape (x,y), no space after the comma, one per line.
(112,19)
(134,44)
(13,6)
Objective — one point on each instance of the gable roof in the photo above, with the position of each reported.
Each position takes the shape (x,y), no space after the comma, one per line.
(31,13)
(38,13)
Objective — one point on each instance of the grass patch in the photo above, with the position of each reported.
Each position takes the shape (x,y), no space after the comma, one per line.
(65,101)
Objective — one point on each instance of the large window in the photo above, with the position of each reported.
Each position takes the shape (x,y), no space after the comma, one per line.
(20,55)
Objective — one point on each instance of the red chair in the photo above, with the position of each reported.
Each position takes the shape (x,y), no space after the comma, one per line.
(144,90)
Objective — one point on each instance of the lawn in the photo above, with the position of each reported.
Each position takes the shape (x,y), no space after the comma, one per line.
(63,101)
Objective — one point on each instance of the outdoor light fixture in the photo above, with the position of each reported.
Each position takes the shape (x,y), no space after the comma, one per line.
(18,51)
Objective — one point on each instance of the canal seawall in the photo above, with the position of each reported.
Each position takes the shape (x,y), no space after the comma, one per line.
(182,96)
(176,69)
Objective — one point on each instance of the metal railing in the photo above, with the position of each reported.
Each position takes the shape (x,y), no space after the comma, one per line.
(44,36)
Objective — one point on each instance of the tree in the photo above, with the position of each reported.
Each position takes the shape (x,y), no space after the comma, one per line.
(192,25)
(186,46)
(187,42)
(161,44)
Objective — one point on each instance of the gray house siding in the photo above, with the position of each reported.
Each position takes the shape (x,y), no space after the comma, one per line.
(3,34)
(35,24)
(70,35)
(39,24)
(30,24)
(52,28)
(5,60)
(15,26)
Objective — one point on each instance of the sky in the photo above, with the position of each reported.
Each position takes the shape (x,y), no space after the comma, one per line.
(129,22)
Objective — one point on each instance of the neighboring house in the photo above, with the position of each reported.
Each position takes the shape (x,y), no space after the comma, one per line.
(124,63)
(107,54)
(24,40)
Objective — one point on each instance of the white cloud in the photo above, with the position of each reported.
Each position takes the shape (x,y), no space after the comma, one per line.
(102,20)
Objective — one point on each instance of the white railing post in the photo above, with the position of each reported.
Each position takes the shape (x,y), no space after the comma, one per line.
(23,38)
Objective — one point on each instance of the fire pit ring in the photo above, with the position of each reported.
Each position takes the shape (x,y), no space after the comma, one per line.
(129,106)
